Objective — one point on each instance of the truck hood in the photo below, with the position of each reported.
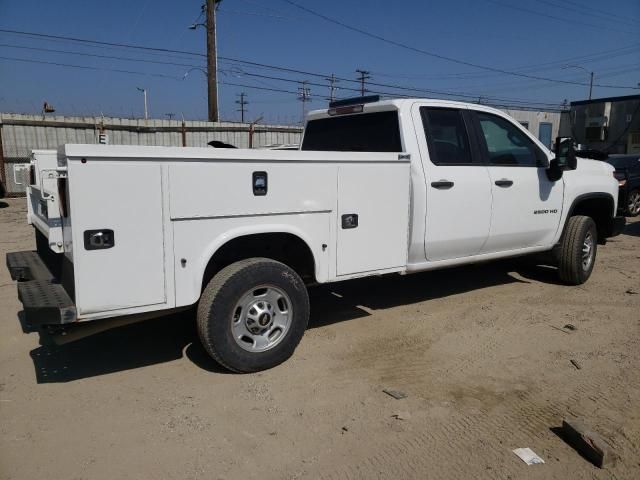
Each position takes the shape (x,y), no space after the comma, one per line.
(590,165)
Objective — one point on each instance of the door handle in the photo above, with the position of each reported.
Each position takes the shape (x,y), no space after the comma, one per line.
(504,182)
(442,184)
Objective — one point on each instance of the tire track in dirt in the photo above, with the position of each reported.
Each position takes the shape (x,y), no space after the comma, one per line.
(465,446)
(454,443)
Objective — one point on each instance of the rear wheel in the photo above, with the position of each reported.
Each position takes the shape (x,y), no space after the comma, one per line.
(578,250)
(253,314)
(633,203)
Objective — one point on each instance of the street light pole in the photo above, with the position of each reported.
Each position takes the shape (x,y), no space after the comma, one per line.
(146,110)
(590,77)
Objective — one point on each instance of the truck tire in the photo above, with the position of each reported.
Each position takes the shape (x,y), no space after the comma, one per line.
(633,203)
(578,250)
(252,314)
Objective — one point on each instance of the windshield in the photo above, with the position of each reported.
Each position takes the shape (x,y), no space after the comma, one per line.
(370,132)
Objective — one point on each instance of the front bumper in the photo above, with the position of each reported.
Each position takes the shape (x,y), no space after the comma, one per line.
(44,299)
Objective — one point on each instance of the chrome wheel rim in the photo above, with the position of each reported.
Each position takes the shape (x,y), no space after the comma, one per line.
(261,318)
(587,251)
(634,203)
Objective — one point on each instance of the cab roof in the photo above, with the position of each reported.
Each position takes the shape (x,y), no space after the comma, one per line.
(405,103)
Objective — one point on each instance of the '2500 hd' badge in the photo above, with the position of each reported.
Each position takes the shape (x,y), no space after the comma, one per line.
(541,212)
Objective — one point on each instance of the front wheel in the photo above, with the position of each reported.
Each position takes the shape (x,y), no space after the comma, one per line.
(253,314)
(578,250)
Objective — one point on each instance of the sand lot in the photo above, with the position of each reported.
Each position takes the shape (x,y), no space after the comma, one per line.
(480,351)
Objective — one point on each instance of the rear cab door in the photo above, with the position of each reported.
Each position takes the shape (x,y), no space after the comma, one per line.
(458,197)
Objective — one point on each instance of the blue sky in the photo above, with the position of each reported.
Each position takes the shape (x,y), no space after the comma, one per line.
(537,37)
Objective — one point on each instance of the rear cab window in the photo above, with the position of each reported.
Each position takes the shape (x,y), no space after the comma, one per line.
(364,132)
(447,136)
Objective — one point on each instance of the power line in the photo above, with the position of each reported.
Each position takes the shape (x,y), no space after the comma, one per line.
(442,57)
(567,20)
(593,57)
(256,14)
(86,67)
(95,55)
(307,94)
(604,73)
(270,77)
(584,10)
(604,12)
(97,42)
(436,55)
(396,87)
(516,103)
(334,79)
(492,101)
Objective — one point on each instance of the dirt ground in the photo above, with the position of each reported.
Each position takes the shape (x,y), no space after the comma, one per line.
(480,351)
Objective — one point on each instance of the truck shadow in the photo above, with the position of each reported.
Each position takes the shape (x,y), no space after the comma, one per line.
(632,229)
(172,337)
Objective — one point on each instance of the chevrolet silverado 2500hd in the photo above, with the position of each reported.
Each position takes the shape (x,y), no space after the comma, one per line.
(377,187)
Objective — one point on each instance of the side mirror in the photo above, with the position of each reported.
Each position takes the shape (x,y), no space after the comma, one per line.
(566,158)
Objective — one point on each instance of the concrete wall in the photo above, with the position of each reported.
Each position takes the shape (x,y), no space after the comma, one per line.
(19,134)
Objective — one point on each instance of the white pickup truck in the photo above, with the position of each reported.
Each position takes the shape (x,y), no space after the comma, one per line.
(377,187)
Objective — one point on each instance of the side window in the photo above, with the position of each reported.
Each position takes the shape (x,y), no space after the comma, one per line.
(506,144)
(446,136)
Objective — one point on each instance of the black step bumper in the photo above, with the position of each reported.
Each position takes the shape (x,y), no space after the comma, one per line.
(44,299)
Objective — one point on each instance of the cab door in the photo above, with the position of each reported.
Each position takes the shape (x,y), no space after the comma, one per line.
(458,210)
(527,206)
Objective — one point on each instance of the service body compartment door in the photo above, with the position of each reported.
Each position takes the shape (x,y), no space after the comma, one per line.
(373,217)
(118,239)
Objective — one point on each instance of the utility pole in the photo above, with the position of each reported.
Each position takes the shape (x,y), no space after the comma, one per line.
(364,75)
(212,61)
(332,87)
(146,110)
(591,86)
(304,95)
(242,102)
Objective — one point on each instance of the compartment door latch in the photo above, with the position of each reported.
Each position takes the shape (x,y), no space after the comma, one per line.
(349,220)
(98,239)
